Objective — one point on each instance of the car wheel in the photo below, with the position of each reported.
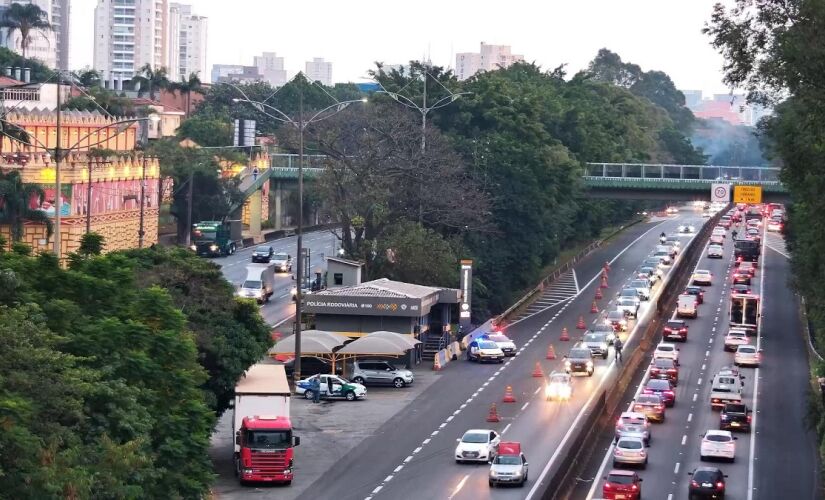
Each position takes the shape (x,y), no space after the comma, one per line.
(458,461)
(590,373)
(398,383)
(616,465)
(358,380)
(701,458)
(501,361)
(231,249)
(350,396)
(492,484)
(308,394)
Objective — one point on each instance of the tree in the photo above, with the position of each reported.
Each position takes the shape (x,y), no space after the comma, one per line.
(88,77)
(39,71)
(16,200)
(99,97)
(151,80)
(25,18)
(191,84)
(206,132)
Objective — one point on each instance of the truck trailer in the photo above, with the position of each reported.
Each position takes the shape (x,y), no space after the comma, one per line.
(264,442)
(259,283)
(745,312)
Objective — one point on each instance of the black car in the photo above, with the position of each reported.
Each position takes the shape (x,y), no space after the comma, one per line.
(706,482)
(262,254)
(310,365)
(741,288)
(735,417)
(580,360)
(696,292)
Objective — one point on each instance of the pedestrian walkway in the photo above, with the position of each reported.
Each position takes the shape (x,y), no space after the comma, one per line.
(564,288)
(776,242)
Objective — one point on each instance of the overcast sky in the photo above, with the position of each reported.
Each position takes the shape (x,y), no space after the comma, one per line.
(656,34)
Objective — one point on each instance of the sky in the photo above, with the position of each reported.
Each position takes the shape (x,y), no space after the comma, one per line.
(655,34)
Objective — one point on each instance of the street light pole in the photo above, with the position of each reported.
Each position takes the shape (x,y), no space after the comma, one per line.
(57,154)
(141,232)
(299,275)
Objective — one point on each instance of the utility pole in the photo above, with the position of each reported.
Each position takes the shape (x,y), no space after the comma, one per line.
(57,154)
(89,200)
(189,209)
(299,275)
(141,232)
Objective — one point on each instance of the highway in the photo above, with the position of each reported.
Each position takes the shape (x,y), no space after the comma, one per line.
(777,458)
(412,454)
(322,245)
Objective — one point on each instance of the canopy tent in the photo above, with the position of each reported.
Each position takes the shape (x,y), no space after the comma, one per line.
(384,344)
(400,339)
(313,342)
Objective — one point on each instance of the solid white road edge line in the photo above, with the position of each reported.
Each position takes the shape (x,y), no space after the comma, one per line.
(752,451)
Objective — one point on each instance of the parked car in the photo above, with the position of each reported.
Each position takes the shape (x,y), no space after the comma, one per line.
(332,387)
(378,372)
(507,346)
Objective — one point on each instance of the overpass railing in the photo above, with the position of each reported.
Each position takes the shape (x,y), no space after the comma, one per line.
(683,172)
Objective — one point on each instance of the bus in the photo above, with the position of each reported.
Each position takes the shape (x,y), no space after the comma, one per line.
(745,312)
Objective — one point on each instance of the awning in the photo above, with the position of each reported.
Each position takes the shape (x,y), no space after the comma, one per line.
(400,339)
(313,342)
(381,345)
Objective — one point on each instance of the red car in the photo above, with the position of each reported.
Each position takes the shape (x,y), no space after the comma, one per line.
(663,368)
(675,329)
(622,485)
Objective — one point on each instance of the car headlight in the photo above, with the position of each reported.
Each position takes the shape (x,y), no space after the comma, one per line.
(214,248)
(590,364)
(493,473)
(193,247)
(247,471)
(567,364)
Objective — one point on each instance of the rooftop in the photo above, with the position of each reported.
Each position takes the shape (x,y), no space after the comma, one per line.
(348,262)
(383,288)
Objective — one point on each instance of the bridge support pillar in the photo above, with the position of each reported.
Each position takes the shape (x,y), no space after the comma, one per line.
(255,214)
(278,200)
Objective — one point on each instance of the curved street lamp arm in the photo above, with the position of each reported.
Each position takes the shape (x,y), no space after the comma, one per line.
(402,100)
(447,100)
(340,105)
(114,124)
(260,106)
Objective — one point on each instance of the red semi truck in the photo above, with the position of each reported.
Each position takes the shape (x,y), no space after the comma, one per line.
(264,444)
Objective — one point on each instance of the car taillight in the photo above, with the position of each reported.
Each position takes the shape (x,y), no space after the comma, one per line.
(634,487)
(720,485)
(749,418)
(694,484)
(669,393)
(660,407)
(672,370)
(618,452)
(607,486)
(647,391)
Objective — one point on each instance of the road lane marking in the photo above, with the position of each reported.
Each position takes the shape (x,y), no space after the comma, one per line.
(397,469)
(409,457)
(684,439)
(505,429)
(525,406)
(388,478)
(376,490)
(676,469)
(690,417)
(537,390)
(458,488)
(752,451)
(694,396)
(417,450)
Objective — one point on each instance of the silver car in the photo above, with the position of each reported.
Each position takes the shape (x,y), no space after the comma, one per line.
(597,343)
(630,450)
(377,372)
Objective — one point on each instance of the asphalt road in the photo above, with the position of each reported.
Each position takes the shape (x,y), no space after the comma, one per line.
(777,459)
(411,456)
(280,307)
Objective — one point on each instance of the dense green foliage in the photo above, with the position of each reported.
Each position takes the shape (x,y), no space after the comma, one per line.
(112,373)
(39,71)
(776,51)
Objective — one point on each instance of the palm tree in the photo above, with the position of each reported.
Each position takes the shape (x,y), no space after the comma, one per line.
(151,80)
(192,84)
(15,199)
(25,18)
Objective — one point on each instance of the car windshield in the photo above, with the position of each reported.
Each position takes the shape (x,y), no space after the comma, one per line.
(620,479)
(718,438)
(507,460)
(649,399)
(665,348)
(499,338)
(487,345)
(704,476)
(676,324)
(475,437)
(663,363)
(726,380)
(662,254)
(625,302)
(629,292)
(747,349)
(580,353)
(734,408)
(700,271)
(615,315)
(255,285)
(262,250)
(272,440)
(280,256)
(715,247)
(633,428)
(594,337)
(659,385)
(639,283)
(630,444)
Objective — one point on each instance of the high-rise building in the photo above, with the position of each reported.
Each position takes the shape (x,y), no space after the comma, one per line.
(238,73)
(61,13)
(271,68)
(490,58)
(318,70)
(128,35)
(43,44)
(187,42)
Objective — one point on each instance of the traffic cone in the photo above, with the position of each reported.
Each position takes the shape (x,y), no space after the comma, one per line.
(508,395)
(607,266)
(537,371)
(493,415)
(436,364)
(599,295)
(594,308)
(551,352)
(604,282)
(580,325)
(564,335)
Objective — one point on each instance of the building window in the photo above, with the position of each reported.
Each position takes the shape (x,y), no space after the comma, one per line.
(338,278)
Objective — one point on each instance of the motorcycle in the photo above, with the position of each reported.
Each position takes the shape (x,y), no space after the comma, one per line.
(662,239)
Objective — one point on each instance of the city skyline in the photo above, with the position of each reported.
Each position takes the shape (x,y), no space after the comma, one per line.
(353,40)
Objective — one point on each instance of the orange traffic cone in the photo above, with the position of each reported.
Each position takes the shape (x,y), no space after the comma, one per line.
(604,282)
(493,415)
(436,363)
(594,308)
(508,395)
(580,325)
(551,352)
(564,335)
(607,266)
(599,295)
(537,371)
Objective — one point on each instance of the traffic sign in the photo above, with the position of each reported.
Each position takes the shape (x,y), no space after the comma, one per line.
(747,194)
(720,193)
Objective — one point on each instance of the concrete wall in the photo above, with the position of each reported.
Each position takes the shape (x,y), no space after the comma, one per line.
(351,275)
(359,325)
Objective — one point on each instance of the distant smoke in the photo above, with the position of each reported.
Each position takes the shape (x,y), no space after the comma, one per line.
(728,145)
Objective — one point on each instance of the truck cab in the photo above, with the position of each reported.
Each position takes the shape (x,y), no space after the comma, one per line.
(266,449)
(259,283)
(509,466)
(216,238)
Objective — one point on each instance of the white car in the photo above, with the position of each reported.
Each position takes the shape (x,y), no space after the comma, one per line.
(719,231)
(774,226)
(477,445)
(672,210)
(559,387)
(702,277)
(718,444)
(747,355)
(482,350)
(706,215)
(667,350)
(630,450)
(687,229)
(735,338)
(628,305)
(507,346)
(715,252)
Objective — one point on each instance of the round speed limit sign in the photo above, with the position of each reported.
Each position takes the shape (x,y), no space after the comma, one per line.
(720,193)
